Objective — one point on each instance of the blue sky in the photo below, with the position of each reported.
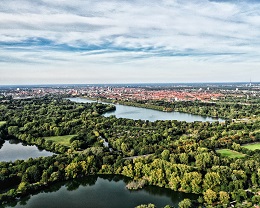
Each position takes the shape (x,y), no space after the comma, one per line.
(120,41)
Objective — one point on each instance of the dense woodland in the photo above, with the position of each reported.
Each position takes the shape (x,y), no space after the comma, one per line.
(177,155)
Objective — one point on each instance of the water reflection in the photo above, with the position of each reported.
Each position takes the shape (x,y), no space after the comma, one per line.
(14,149)
(98,192)
(9,183)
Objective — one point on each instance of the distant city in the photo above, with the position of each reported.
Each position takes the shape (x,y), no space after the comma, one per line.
(142,91)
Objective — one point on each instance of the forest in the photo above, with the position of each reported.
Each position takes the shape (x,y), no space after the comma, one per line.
(178,155)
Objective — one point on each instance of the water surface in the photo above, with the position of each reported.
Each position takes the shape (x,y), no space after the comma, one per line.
(100,192)
(136,113)
(14,149)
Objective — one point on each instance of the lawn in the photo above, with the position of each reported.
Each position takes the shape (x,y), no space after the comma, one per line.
(230,153)
(254,146)
(64,140)
(2,123)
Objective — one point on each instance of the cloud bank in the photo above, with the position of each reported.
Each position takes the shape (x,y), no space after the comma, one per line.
(62,41)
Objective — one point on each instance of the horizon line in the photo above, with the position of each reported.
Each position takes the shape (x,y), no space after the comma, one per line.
(133,83)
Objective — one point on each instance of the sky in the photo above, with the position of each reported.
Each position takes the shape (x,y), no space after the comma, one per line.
(129,41)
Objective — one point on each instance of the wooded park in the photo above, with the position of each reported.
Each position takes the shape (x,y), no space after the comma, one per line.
(218,161)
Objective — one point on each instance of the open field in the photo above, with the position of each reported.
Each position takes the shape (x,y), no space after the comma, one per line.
(2,123)
(63,140)
(230,153)
(254,146)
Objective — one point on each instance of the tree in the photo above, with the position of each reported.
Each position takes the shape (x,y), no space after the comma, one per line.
(209,196)
(13,130)
(174,181)
(33,173)
(75,145)
(223,197)
(138,166)
(72,170)
(185,203)
(184,158)
(22,188)
(212,181)
(54,176)
(11,193)
(203,160)
(124,148)
(165,155)
(128,171)
(44,178)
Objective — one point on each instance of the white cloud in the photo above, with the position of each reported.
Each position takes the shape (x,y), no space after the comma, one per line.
(85,34)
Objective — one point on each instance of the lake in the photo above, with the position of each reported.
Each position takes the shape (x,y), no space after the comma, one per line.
(99,192)
(136,113)
(16,150)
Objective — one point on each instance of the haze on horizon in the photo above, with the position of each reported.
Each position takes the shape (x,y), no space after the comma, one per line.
(119,41)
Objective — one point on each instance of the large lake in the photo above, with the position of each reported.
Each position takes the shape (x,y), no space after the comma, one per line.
(100,192)
(15,150)
(136,113)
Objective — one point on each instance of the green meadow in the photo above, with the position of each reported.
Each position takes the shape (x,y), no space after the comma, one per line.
(254,146)
(230,153)
(63,140)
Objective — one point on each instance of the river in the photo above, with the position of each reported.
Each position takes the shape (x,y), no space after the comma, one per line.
(136,113)
(99,192)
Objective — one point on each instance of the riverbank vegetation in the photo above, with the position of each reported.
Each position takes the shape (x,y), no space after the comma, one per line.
(177,155)
(134,185)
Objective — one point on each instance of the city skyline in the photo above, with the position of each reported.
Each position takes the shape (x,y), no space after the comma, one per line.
(46,42)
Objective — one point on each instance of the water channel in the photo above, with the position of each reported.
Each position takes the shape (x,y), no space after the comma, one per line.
(100,192)
(136,113)
(14,149)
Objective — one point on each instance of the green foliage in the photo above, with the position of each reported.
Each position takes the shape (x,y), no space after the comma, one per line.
(181,156)
(22,188)
(191,182)
(13,130)
(223,197)
(2,123)
(210,196)
(212,181)
(33,174)
(185,203)
(165,154)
